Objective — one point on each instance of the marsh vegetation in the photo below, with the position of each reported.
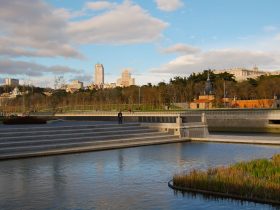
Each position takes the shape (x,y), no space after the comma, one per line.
(254,180)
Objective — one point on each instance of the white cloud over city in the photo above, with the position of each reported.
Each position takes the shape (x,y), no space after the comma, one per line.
(44,31)
(99,5)
(169,5)
(124,24)
(31,28)
(198,60)
(181,49)
(12,67)
(34,28)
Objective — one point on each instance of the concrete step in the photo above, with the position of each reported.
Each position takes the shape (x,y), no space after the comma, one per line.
(109,145)
(71,139)
(50,140)
(47,128)
(65,145)
(78,133)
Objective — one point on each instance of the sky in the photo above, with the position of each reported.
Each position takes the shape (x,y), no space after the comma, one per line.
(41,40)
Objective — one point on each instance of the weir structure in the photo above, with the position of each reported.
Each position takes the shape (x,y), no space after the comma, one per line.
(181,124)
(75,133)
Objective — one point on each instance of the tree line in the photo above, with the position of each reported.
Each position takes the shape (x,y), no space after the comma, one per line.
(164,94)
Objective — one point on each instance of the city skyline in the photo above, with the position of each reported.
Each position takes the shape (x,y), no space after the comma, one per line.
(155,39)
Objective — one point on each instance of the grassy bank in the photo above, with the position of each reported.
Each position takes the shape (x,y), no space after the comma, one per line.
(254,180)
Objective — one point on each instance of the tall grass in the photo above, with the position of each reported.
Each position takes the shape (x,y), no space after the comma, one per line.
(257,179)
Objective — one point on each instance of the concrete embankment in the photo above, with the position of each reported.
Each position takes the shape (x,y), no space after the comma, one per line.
(241,139)
(242,120)
(221,120)
(22,142)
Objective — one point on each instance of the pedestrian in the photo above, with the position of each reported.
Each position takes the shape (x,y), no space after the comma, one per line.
(120,117)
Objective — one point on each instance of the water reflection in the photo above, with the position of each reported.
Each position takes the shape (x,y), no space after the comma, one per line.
(134,178)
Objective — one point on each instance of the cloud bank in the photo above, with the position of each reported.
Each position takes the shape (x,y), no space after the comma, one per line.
(181,49)
(12,67)
(33,28)
(200,60)
(126,23)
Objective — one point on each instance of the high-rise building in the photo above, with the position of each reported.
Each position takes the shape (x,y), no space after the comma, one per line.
(99,75)
(126,79)
(11,82)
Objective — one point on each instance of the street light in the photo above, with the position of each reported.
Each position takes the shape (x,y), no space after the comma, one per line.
(139,97)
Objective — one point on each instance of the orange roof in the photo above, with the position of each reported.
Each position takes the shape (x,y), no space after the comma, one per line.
(202,101)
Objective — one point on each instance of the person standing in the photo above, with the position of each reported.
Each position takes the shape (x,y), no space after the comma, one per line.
(120,117)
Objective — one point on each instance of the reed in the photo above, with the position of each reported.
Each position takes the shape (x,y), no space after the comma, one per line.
(257,179)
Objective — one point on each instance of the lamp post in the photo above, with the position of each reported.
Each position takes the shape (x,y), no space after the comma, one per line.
(139,97)
(224,93)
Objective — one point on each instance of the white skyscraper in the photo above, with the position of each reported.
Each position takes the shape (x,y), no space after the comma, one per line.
(99,75)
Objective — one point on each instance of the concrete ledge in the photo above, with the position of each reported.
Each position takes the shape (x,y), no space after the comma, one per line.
(244,140)
(108,145)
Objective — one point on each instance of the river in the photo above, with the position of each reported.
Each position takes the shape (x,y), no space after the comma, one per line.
(132,178)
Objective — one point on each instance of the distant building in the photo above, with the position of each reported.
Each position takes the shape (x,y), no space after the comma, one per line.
(126,79)
(274,73)
(11,82)
(4,97)
(242,74)
(109,85)
(207,100)
(256,103)
(48,93)
(15,93)
(99,75)
(74,86)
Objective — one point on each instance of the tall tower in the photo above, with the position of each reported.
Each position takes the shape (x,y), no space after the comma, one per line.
(99,74)
(208,86)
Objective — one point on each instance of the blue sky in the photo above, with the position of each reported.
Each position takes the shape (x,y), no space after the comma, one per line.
(156,39)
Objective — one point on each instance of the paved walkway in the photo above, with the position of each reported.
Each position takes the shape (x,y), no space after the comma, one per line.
(56,123)
(242,138)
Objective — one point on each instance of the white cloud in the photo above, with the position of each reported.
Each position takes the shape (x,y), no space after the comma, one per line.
(169,5)
(13,67)
(181,49)
(277,37)
(68,14)
(220,59)
(99,5)
(124,24)
(153,78)
(33,28)
(270,28)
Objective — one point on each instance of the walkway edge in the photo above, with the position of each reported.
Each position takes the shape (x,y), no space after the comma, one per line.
(105,146)
(237,141)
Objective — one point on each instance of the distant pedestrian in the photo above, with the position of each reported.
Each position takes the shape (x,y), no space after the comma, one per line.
(120,117)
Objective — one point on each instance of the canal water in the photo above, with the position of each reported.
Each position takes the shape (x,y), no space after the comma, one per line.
(133,178)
